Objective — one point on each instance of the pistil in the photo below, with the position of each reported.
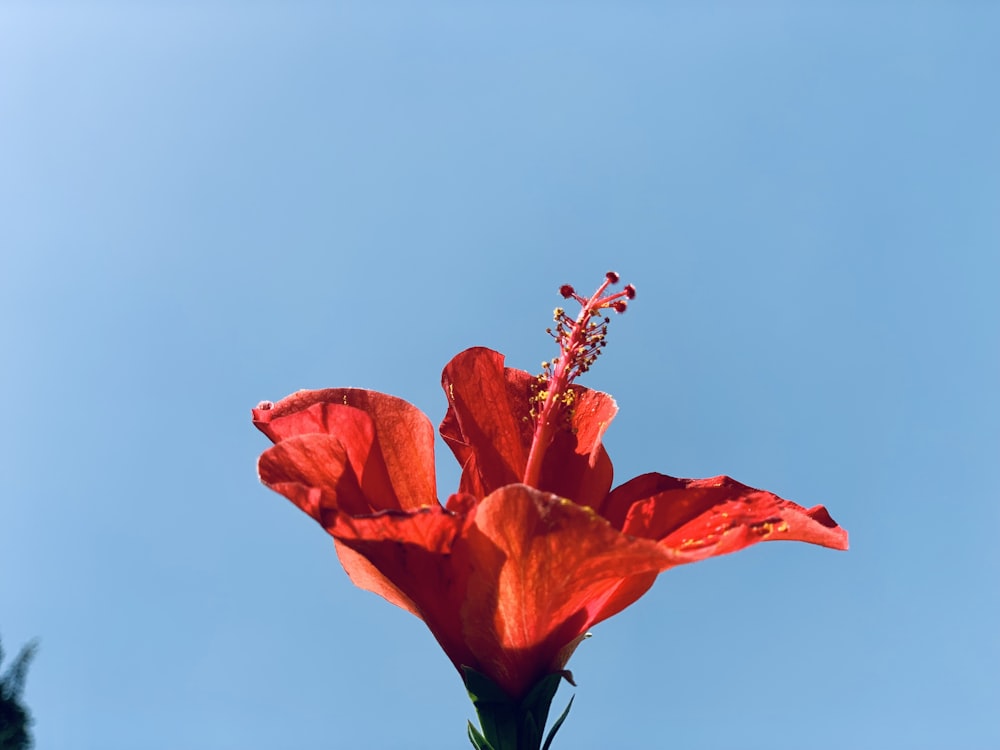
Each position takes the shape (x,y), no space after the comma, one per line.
(580,343)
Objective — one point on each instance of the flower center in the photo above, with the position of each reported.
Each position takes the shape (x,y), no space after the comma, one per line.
(580,341)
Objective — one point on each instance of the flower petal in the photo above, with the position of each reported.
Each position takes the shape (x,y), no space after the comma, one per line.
(544,570)
(410,558)
(576,465)
(700,518)
(366,576)
(389,442)
(313,471)
(484,427)
(489,429)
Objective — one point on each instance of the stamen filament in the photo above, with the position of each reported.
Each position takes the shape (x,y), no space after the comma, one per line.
(580,343)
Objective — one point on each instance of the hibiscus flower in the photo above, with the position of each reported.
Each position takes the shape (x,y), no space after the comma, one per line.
(535,547)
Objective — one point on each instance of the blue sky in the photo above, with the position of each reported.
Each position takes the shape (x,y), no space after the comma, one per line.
(206,205)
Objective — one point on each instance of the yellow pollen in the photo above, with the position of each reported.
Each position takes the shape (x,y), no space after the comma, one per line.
(764,529)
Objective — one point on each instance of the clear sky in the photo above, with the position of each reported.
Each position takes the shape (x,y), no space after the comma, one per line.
(203,205)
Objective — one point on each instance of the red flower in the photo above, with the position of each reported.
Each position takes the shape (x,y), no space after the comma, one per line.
(535,547)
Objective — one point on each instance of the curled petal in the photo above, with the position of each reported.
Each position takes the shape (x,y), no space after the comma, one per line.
(313,471)
(389,443)
(700,518)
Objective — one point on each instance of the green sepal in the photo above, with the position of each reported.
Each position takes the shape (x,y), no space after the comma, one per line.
(496,711)
(535,708)
(508,724)
(559,723)
(476,738)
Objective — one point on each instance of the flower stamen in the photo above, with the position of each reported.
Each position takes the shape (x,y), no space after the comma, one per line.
(580,341)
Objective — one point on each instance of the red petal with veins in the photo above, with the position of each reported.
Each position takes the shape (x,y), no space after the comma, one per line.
(489,429)
(313,471)
(349,451)
(577,466)
(701,518)
(544,570)
(419,553)
(484,424)
(388,442)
